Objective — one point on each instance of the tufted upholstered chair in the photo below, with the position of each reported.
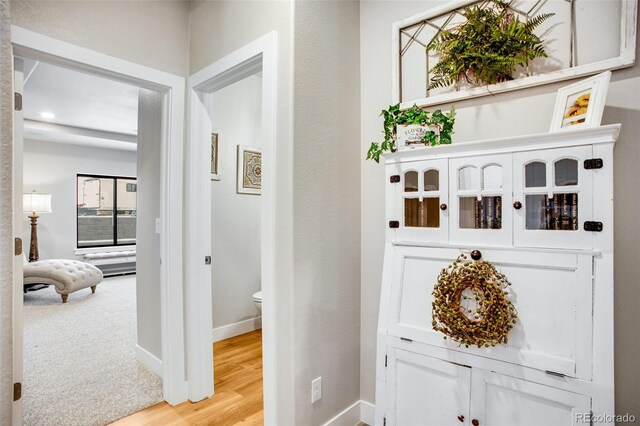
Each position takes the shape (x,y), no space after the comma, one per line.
(65,275)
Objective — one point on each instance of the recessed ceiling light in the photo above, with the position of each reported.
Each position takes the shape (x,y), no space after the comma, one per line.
(47,115)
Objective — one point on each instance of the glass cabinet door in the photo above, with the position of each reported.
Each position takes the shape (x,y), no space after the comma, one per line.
(552,198)
(421,201)
(480,191)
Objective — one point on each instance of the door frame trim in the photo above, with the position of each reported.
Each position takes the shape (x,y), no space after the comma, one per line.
(36,46)
(246,61)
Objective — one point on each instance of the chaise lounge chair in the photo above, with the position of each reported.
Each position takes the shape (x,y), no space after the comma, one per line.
(65,275)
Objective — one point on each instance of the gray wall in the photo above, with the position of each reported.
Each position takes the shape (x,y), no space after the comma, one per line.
(52,168)
(327,206)
(152,33)
(217,28)
(235,218)
(148,244)
(490,117)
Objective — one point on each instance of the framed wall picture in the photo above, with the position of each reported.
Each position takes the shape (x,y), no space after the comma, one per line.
(215,160)
(249,170)
(581,104)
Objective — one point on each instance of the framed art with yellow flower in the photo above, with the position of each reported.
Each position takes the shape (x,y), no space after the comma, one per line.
(581,104)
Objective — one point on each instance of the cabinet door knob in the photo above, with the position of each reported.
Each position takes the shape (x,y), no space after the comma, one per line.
(517,205)
(476,255)
(443,206)
(461,418)
(475,422)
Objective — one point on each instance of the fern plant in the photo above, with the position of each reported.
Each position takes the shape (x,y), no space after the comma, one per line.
(487,47)
(394,116)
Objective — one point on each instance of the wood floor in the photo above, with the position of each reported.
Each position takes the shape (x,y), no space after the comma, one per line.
(238,387)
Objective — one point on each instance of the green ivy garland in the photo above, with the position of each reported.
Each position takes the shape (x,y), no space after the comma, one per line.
(487,325)
(394,117)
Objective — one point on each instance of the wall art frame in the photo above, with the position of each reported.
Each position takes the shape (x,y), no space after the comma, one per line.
(581,104)
(249,179)
(400,29)
(215,156)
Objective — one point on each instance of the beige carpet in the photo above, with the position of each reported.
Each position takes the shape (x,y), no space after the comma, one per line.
(80,366)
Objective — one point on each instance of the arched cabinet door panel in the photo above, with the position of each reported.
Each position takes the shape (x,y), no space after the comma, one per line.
(555,195)
(420,201)
(480,192)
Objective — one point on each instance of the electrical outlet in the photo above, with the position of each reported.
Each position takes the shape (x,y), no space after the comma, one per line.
(316,389)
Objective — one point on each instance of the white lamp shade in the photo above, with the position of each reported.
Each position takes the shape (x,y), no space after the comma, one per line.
(36,203)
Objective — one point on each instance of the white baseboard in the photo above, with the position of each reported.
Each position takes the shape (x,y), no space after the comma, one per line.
(149,360)
(359,411)
(367,413)
(348,417)
(236,329)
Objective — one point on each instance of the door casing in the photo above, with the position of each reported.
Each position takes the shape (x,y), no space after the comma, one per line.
(32,45)
(249,59)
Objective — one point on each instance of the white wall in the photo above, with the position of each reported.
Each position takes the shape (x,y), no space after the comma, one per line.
(152,33)
(148,241)
(327,207)
(235,218)
(217,28)
(52,168)
(521,112)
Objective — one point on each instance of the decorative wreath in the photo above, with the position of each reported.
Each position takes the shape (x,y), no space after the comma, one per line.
(470,304)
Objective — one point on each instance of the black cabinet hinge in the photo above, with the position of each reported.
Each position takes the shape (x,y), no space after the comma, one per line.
(592,226)
(593,163)
(394,224)
(384,421)
(17,246)
(17,101)
(17,391)
(394,179)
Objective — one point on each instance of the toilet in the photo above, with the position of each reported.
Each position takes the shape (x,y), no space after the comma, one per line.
(257,299)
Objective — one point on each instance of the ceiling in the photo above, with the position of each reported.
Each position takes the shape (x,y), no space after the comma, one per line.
(82,108)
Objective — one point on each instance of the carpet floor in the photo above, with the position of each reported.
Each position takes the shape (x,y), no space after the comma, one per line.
(80,366)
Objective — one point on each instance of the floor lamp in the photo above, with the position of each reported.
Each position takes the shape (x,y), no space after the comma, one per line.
(34,203)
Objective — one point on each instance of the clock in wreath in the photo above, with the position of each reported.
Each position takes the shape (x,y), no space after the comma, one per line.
(471,304)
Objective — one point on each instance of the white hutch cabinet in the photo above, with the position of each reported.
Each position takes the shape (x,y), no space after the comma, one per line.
(540,208)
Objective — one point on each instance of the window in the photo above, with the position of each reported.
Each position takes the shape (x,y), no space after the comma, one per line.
(106,211)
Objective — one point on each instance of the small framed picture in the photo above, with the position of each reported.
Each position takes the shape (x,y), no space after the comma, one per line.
(249,170)
(581,104)
(215,154)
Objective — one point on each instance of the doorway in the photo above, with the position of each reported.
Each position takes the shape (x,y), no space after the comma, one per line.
(170,90)
(254,58)
(90,144)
